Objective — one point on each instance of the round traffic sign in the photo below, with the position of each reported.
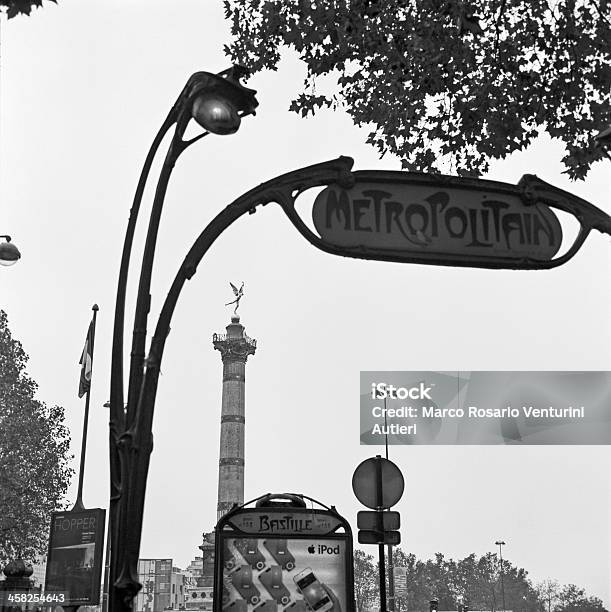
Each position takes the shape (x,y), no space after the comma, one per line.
(378,483)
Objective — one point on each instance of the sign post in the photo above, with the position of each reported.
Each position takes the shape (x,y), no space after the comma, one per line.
(378,483)
(281,553)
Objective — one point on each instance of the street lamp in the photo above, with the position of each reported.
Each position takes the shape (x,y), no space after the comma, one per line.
(131,441)
(9,253)
(217,102)
(220,102)
(500,544)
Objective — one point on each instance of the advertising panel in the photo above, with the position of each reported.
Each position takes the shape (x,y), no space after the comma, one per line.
(283,559)
(287,572)
(74,564)
(400,576)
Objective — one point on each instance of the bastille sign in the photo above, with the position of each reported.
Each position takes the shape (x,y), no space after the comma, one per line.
(283,556)
(446,220)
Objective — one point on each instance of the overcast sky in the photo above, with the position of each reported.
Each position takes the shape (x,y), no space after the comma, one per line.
(84,88)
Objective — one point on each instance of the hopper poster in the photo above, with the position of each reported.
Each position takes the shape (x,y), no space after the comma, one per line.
(75,555)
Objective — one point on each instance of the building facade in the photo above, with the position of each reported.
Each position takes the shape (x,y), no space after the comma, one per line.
(163,586)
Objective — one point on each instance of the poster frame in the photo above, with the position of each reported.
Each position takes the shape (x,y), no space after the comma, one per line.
(226,529)
(95,592)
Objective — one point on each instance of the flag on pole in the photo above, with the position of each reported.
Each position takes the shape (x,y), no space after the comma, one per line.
(86,363)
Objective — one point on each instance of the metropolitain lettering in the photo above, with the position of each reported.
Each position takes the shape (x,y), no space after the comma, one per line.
(490,223)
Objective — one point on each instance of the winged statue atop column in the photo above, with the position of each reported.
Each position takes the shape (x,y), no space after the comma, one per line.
(238,296)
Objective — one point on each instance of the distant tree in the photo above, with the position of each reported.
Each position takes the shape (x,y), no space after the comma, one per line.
(366,591)
(34,455)
(472,580)
(573,599)
(520,596)
(445,83)
(475,581)
(547,591)
(20,7)
(439,581)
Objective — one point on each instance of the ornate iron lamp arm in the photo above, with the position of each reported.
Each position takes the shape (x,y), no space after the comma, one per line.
(217,103)
(198,86)
(126,441)
(117,412)
(116,373)
(118,416)
(140,432)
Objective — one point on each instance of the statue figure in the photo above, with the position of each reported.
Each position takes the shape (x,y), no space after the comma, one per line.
(238,296)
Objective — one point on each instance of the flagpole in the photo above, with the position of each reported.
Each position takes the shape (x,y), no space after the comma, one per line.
(79,497)
(106,571)
(391,567)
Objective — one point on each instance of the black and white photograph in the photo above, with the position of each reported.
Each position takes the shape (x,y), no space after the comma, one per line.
(305,305)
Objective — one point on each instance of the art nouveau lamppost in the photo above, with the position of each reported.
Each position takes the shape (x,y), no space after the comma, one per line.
(217,102)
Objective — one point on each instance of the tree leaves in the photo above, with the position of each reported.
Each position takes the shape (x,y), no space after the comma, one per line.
(365,581)
(445,83)
(20,7)
(34,455)
(574,599)
(475,581)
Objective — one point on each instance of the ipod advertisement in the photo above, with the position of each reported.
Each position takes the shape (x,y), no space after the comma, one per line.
(277,574)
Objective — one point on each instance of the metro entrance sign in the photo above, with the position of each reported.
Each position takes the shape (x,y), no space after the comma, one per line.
(386,216)
(424,215)
(446,220)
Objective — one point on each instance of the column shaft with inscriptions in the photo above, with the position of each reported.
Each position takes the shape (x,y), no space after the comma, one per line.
(235,347)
